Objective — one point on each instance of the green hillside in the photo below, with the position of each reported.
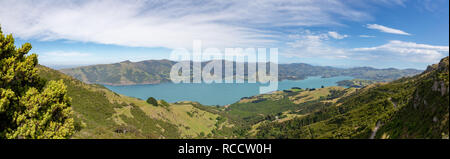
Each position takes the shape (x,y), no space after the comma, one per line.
(101,113)
(257,108)
(411,107)
(157,71)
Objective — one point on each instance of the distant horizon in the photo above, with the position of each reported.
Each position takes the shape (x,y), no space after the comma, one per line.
(59,67)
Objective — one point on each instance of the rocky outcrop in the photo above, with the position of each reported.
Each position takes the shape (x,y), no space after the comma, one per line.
(441,87)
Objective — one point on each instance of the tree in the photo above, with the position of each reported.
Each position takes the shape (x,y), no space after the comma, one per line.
(30,107)
(152,101)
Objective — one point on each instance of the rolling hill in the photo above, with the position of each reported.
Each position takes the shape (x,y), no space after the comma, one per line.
(101,113)
(157,71)
(410,107)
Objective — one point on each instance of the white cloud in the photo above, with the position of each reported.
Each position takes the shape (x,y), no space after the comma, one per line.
(392,2)
(434,6)
(386,29)
(311,44)
(168,24)
(307,44)
(366,36)
(406,51)
(336,35)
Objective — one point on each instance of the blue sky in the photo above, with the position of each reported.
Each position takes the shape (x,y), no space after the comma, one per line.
(347,33)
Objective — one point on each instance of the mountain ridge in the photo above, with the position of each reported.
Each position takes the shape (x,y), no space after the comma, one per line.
(158,71)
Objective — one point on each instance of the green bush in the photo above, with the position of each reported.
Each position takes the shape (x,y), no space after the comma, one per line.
(30,107)
(152,101)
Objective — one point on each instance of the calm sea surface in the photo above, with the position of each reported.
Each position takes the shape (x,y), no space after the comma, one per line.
(215,94)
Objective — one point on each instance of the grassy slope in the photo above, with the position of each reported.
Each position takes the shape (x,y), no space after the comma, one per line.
(101,113)
(304,102)
(307,96)
(413,107)
(280,106)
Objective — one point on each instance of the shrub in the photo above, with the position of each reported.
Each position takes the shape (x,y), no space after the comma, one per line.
(152,101)
(30,107)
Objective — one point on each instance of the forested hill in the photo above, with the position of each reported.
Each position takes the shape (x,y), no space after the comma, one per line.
(157,71)
(410,107)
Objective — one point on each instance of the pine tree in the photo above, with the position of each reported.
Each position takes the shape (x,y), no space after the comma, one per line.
(30,107)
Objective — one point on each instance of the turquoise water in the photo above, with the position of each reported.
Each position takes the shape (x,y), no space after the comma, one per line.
(215,94)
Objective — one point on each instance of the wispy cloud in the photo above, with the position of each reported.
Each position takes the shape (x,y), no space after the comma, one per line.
(218,23)
(336,35)
(311,44)
(435,6)
(392,2)
(386,29)
(367,36)
(169,24)
(406,51)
